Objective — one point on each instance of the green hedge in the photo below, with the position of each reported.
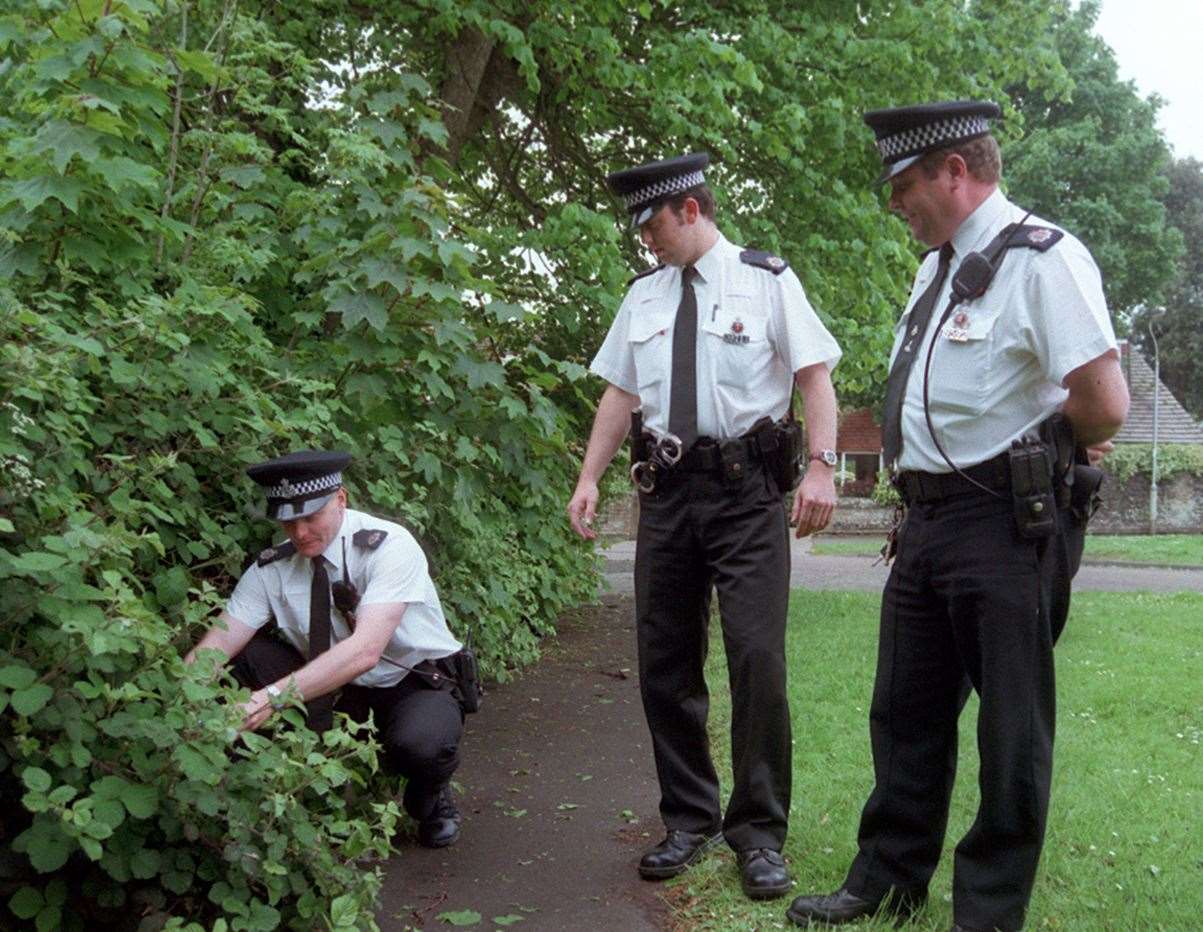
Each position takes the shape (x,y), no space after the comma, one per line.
(1136,459)
(201,270)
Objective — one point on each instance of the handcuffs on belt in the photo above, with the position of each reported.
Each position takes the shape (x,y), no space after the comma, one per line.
(663,455)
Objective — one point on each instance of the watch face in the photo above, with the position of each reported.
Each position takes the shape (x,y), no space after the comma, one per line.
(826,456)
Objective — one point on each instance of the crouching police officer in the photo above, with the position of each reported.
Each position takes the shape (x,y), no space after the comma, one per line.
(1005,347)
(383,648)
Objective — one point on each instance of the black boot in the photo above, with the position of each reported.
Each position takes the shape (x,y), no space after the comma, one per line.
(674,854)
(441,826)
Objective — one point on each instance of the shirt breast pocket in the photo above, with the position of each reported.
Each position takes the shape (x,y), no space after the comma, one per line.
(964,367)
(650,336)
(735,338)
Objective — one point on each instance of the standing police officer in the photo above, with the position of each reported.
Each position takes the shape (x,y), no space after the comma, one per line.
(711,343)
(385,644)
(978,591)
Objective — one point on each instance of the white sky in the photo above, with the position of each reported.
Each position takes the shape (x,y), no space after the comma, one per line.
(1159,45)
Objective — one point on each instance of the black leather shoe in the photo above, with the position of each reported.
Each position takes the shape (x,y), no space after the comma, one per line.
(840,907)
(441,827)
(674,854)
(763,874)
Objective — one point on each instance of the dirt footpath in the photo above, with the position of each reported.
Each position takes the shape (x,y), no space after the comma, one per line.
(559,799)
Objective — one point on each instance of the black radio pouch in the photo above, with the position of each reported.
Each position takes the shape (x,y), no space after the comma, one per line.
(467,679)
(734,458)
(1032,489)
(790,447)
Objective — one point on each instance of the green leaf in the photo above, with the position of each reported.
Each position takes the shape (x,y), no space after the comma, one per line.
(64,141)
(50,919)
(120,172)
(33,192)
(45,845)
(142,800)
(107,812)
(26,903)
(38,562)
(28,701)
(357,307)
(36,779)
(145,863)
(344,910)
(465,917)
(508,920)
(91,847)
(6,526)
(17,677)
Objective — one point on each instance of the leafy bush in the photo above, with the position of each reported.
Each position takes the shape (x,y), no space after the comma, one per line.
(202,270)
(1133,459)
(884,492)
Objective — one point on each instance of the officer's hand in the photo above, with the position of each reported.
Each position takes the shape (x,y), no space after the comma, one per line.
(814,501)
(256,710)
(1096,452)
(582,508)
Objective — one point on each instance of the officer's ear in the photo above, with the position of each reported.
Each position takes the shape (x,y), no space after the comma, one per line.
(957,168)
(691,210)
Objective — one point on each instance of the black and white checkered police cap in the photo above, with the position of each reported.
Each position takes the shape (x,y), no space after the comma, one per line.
(645,188)
(299,484)
(904,134)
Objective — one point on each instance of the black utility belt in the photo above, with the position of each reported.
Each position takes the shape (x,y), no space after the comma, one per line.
(915,486)
(708,454)
(776,444)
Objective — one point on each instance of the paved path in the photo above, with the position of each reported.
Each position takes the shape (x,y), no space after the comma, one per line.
(559,796)
(859,573)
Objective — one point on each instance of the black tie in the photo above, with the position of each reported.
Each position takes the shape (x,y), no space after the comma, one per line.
(900,372)
(321,710)
(683,399)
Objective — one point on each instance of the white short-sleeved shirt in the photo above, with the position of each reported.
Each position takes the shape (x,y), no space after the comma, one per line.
(999,372)
(395,571)
(755,330)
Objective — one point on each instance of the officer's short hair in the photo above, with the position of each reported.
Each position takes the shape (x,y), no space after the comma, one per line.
(699,193)
(982,158)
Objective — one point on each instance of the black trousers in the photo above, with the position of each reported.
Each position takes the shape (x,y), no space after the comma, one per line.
(695,532)
(418,724)
(968,605)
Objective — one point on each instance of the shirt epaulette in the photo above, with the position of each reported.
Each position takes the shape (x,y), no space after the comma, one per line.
(278,552)
(764,260)
(1034,237)
(369,538)
(644,274)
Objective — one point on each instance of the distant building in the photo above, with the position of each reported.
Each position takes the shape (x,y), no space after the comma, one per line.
(1174,423)
(858,443)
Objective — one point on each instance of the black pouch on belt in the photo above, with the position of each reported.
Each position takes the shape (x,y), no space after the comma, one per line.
(789,453)
(734,457)
(467,679)
(1032,489)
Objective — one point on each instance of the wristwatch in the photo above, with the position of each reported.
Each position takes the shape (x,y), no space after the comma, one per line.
(275,697)
(825,456)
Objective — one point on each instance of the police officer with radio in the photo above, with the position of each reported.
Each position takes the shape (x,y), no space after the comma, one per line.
(706,349)
(1005,346)
(359,629)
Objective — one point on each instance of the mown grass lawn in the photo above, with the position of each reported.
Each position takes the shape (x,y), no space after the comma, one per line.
(1124,850)
(1166,549)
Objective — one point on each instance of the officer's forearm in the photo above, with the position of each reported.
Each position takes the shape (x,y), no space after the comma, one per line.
(818,397)
(329,670)
(609,428)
